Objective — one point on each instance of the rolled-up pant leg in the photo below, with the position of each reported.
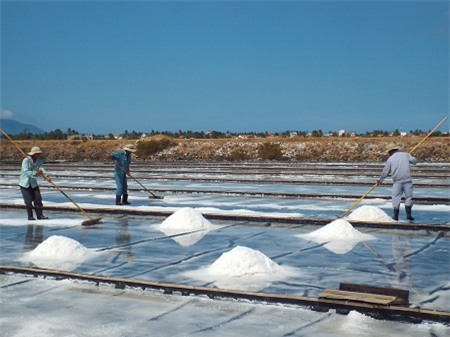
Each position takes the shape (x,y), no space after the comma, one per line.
(408,189)
(397,192)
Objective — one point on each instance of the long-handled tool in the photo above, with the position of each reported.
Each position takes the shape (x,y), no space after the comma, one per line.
(91,220)
(152,196)
(376,184)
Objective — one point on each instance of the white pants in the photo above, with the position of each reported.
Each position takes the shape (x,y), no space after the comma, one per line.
(397,191)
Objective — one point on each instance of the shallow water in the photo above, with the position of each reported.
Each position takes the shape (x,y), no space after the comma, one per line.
(396,258)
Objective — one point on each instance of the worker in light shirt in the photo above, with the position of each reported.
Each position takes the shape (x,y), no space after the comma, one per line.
(32,168)
(399,166)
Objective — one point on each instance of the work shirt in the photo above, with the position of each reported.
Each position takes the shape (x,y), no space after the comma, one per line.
(122,159)
(399,166)
(28,173)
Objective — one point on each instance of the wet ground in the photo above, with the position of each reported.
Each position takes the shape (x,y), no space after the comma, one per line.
(132,247)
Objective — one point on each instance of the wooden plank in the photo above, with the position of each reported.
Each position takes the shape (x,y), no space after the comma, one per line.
(358,297)
(401,295)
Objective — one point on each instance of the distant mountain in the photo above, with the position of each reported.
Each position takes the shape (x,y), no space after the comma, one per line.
(14,127)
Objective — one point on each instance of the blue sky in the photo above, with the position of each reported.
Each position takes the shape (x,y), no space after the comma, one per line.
(106,67)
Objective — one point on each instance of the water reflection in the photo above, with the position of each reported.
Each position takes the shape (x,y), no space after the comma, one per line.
(33,237)
(123,239)
(401,262)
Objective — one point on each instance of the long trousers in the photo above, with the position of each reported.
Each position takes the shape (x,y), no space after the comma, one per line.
(121,183)
(397,191)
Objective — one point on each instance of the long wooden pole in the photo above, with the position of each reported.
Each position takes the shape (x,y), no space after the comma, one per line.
(376,184)
(91,220)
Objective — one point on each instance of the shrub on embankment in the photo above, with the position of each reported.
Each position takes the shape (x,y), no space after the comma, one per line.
(333,149)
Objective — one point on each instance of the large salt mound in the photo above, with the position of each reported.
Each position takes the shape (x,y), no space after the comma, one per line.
(183,221)
(243,268)
(338,236)
(369,213)
(59,252)
(242,261)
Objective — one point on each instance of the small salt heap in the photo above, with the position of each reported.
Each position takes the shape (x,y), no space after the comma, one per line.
(59,252)
(338,236)
(369,213)
(242,261)
(186,220)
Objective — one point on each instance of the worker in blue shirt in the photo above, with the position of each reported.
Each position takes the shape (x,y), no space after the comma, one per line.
(398,165)
(122,160)
(32,168)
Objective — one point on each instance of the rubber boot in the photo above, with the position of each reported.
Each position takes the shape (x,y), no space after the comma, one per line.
(125,200)
(30,213)
(118,200)
(39,214)
(408,210)
(396,211)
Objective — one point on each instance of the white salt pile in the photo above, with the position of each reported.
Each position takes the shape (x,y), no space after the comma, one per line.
(59,252)
(369,213)
(242,261)
(184,221)
(243,268)
(338,236)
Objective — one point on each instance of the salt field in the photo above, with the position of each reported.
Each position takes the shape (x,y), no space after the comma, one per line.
(202,234)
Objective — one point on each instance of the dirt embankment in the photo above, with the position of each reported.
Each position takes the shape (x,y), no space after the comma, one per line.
(434,149)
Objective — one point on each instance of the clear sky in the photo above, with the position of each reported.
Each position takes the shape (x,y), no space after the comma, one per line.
(109,66)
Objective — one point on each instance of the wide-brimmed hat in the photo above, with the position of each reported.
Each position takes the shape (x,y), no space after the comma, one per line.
(391,147)
(34,150)
(130,148)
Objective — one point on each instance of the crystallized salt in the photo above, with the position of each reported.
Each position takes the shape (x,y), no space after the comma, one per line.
(59,252)
(338,236)
(339,229)
(369,213)
(186,226)
(242,261)
(243,268)
(186,219)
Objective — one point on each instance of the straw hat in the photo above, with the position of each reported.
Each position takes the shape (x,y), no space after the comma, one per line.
(34,150)
(391,147)
(130,148)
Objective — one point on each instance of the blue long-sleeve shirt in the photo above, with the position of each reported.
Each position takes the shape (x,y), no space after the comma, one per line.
(122,159)
(399,166)
(28,173)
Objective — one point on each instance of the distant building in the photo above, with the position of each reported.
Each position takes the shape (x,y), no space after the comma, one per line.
(341,133)
(293,134)
(246,136)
